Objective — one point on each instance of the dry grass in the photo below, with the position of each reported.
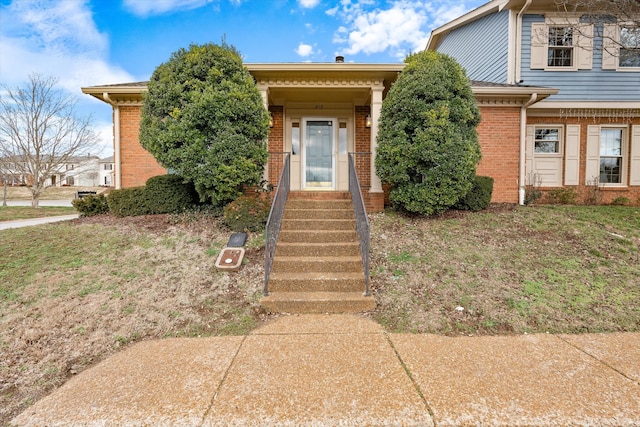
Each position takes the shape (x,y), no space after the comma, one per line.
(50,193)
(72,294)
(511,270)
(24,212)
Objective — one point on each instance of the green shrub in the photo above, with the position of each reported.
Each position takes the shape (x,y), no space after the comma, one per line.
(562,196)
(128,202)
(428,146)
(479,197)
(247,213)
(91,205)
(621,201)
(169,194)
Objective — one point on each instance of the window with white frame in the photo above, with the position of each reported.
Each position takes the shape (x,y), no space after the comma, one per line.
(629,47)
(611,156)
(561,43)
(544,154)
(621,47)
(547,141)
(560,47)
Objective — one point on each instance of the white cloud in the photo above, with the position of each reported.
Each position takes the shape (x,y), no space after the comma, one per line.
(156,7)
(56,38)
(402,27)
(308,4)
(304,50)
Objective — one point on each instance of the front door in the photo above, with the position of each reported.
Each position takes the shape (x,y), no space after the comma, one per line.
(319,154)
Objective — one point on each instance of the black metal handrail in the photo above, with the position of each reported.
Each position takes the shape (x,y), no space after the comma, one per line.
(362,221)
(272,229)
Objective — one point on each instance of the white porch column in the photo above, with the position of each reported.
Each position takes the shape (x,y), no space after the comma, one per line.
(264,91)
(376,106)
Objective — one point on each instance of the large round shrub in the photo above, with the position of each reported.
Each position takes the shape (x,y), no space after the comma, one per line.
(428,146)
(204,118)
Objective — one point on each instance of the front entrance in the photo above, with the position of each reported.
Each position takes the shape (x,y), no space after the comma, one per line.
(318,154)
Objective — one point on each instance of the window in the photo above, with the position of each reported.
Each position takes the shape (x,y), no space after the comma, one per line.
(629,47)
(547,141)
(560,50)
(108,166)
(561,43)
(544,154)
(295,138)
(611,160)
(342,138)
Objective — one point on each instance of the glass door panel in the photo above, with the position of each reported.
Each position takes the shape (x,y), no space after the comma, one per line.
(319,154)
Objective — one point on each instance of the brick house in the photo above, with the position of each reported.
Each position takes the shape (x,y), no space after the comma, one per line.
(585,138)
(323,111)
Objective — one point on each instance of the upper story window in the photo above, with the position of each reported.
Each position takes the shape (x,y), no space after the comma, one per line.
(108,166)
(629,47)
(560,50)
(561,44)
(621,47)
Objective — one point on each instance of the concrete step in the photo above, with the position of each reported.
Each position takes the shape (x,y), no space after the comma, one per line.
(318,224)
(319,204)
(317,282)
(318,249)
(319,213)
(318,302)
(317,236)
(320,195)
(298,264)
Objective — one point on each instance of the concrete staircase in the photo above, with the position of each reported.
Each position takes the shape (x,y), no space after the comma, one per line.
(317,266)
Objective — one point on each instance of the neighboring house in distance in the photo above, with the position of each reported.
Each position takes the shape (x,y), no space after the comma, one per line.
(340,101)
(77,171)
(587,135)
(106,172)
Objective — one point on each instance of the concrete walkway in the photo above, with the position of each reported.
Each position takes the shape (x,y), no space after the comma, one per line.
(318,370)
(18,223)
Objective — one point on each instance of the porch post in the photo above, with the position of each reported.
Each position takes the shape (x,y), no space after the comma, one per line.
(376,106)
(264,91)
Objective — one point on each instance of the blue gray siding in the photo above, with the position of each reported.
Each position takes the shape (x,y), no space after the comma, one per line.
(481,47)
(582,85)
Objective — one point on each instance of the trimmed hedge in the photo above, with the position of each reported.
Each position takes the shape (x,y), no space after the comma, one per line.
(162,194)
(128,202)
(169,194)
(91,205)
(247,213)
(479,196)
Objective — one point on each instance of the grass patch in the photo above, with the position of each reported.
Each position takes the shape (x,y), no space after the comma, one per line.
(8,213)
(560,269)
(73,293)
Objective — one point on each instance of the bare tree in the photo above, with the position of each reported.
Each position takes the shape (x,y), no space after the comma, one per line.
(40,131)
(4,176)
(599,13)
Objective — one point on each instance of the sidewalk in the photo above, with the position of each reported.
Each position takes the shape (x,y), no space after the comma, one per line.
(318,370)
(18,223)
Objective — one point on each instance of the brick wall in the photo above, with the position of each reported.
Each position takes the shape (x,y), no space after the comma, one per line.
(276,144)
(137,164)
(499,136)
(584,193)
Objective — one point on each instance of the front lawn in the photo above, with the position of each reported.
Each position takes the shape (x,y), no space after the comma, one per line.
(73,293)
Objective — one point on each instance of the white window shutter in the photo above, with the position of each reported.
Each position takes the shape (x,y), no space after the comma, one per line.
(592,171)
(572,155)
(609,51)
(585,46)
(635,155)
(539,45)
(528,158)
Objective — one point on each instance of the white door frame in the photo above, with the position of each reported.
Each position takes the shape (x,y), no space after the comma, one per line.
(303,149)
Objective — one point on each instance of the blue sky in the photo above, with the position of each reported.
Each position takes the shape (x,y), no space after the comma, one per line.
(95,42)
